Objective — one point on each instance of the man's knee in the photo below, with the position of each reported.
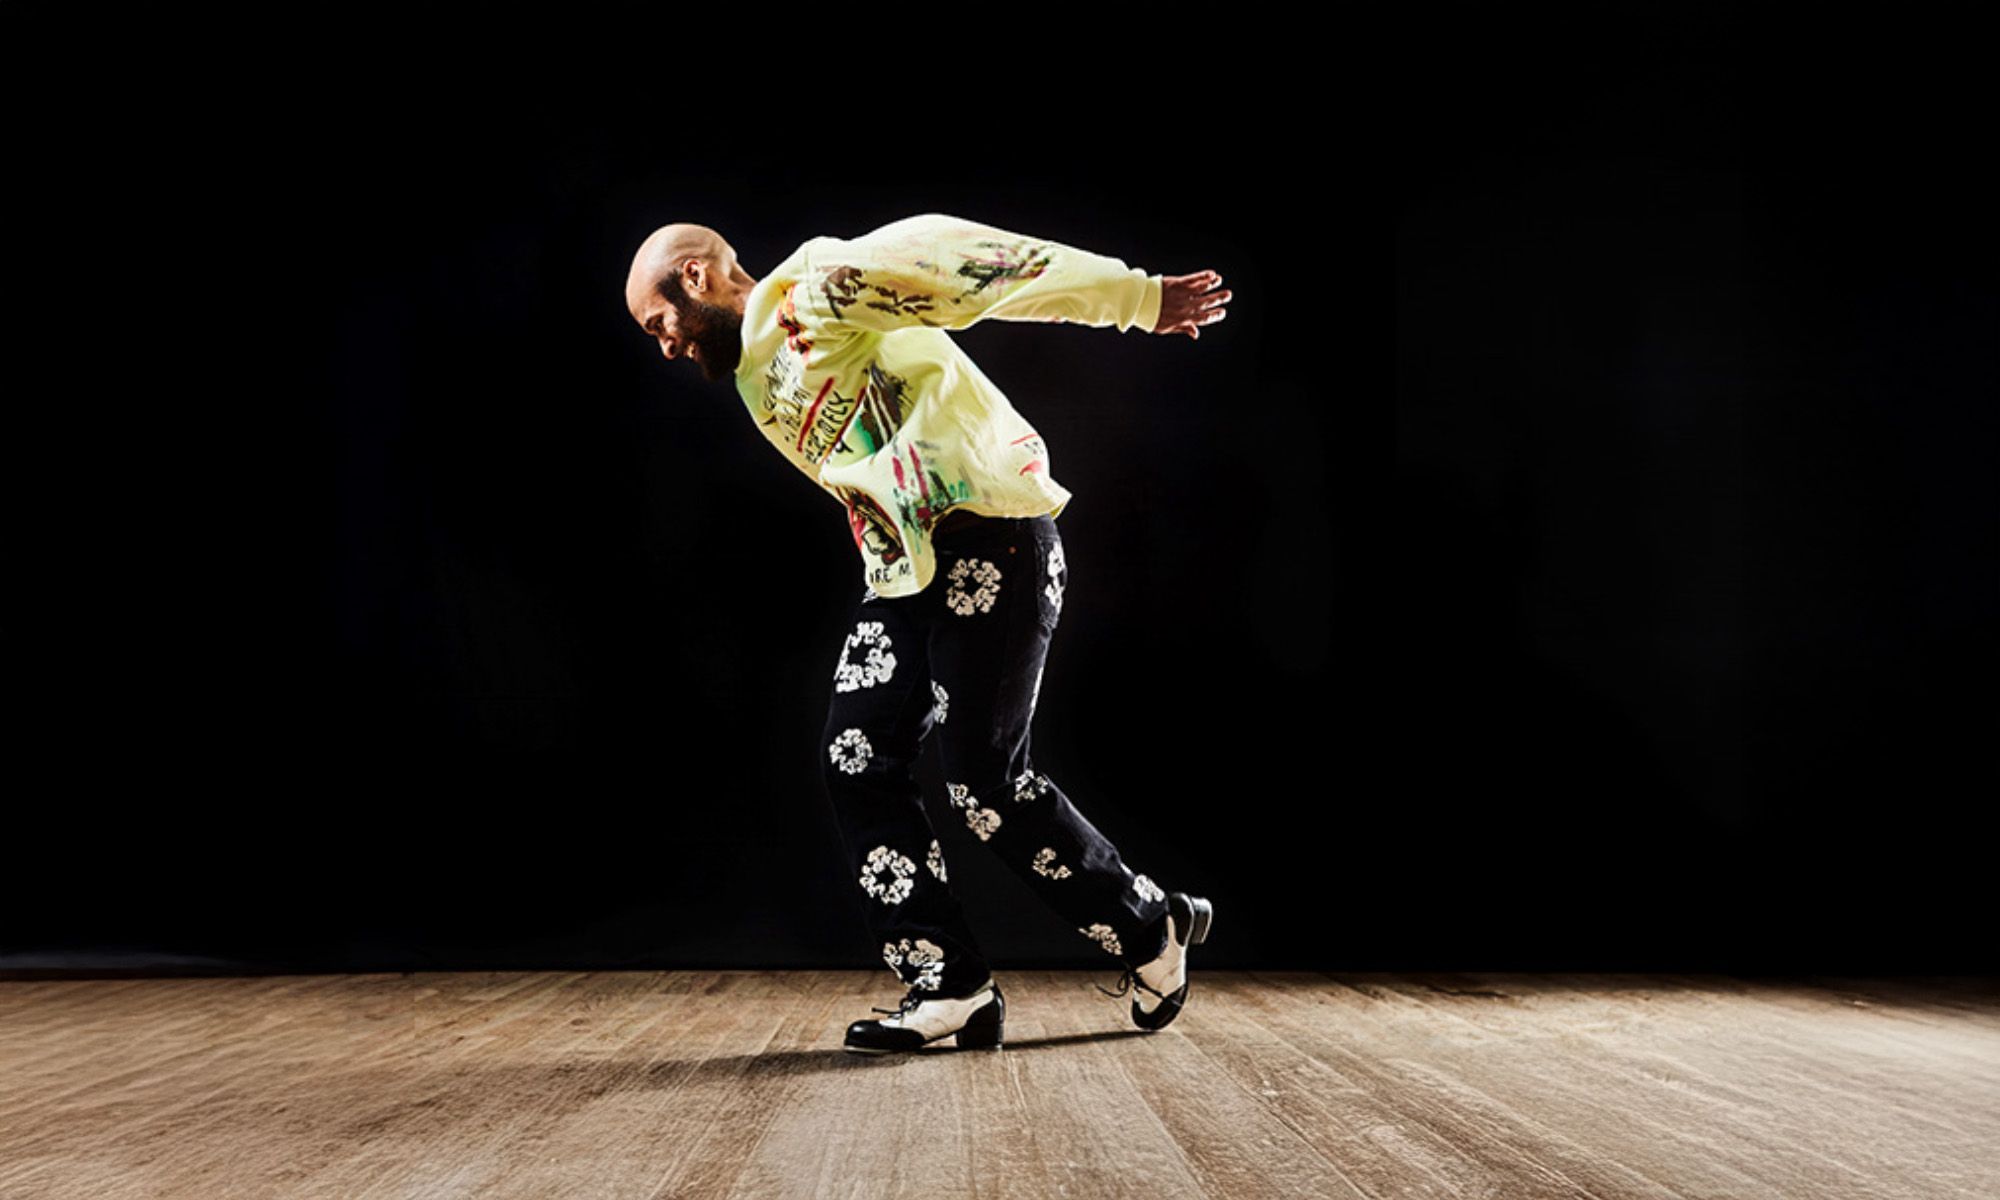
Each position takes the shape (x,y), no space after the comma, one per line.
(850,749)
(987,760)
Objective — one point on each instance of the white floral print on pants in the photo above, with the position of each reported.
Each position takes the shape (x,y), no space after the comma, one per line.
(879,666)
(899,868)
(962,662)
(850,751)
(982,821)
(925,957)
(974,586)
(1104,936)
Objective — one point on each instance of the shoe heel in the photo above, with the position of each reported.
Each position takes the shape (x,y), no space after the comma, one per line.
(1202,913)
(982,1029)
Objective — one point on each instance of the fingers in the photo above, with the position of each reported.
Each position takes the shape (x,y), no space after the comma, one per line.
(1207,299)
(1192,302)
(1193,327)
(1200,281)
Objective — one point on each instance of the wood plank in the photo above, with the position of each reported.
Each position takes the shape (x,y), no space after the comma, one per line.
(1048,1115)
(1729,1076)
(1236,1141)
(1411,1120)
(733,1083)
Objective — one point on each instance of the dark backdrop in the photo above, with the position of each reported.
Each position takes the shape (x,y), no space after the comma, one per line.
(1639,615)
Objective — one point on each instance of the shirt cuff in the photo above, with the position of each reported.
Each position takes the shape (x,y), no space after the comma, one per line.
(1149,304)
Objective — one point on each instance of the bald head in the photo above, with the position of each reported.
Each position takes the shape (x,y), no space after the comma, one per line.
(668,251)
(686,290)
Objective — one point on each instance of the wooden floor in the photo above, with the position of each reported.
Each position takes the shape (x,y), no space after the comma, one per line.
(721,1083)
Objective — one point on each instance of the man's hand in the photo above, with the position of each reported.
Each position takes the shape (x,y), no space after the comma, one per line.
(1186,303)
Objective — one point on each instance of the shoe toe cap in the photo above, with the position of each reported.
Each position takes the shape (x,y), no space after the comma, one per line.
(874,1035)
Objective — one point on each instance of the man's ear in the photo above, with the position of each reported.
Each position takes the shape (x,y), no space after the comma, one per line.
(694,276)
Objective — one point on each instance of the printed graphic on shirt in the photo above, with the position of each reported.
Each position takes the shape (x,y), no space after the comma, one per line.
(1004,261)
(818,423)
(984,264)
(875,533)
(922,494)
(1038,454)
(842,429)
(848,285)
(784,396)
(795,330)
(919,493)
(828,429)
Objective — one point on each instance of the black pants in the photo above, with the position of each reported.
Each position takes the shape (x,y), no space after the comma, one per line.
(964,657)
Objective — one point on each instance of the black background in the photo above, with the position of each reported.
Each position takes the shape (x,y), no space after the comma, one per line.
(401,607)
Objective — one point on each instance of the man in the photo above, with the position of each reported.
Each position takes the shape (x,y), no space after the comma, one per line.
(843,356)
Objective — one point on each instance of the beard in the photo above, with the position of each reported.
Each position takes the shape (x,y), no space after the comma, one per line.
(716,332)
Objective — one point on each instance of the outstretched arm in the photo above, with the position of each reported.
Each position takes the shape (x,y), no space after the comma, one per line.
(947,273)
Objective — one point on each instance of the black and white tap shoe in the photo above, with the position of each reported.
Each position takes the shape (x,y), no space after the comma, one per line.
(1160,988)
(924,1017)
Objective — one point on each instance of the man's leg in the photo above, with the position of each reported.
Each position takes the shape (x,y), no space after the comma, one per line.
(998,598)
(881,710)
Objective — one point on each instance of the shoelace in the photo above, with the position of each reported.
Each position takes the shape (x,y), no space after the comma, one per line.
(915,996)
(911,999)
(1129,980)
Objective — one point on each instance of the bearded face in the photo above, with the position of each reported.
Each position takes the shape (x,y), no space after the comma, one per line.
(715,333)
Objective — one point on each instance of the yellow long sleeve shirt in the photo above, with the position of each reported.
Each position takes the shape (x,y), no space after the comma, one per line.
(848,369)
